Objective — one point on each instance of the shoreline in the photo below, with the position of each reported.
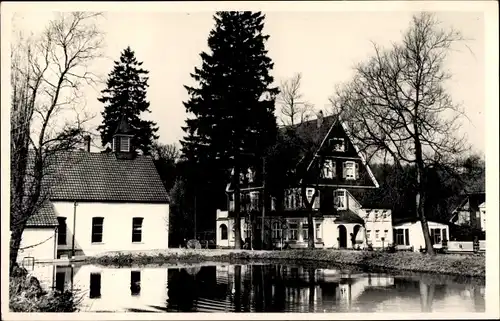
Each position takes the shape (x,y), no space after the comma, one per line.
(444,264)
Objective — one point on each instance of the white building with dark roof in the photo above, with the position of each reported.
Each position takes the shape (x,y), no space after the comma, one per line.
(99,202)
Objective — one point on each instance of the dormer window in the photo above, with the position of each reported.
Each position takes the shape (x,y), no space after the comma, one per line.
(337,144)
(124,144)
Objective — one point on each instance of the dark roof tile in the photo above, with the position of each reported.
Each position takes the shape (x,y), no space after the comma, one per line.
(45,217)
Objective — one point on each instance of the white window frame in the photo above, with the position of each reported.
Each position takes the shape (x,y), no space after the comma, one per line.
(335,147)
(254,198)
(350,165)
(250,175)
(127,140)
(305,231)
(293,233)
(277,231)
(343,197)
(329,170)
(318,231)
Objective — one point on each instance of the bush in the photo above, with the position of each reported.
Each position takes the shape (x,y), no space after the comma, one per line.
(27,295)
(193,244)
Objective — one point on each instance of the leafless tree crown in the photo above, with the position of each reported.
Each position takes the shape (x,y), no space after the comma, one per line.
(294,109)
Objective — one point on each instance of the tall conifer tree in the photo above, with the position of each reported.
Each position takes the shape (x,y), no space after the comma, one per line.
(232,125)
(125,96)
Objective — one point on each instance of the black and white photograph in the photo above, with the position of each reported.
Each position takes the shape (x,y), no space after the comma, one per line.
(271,159)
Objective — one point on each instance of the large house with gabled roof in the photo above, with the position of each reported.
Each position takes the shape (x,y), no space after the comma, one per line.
(343,173)
(99,202)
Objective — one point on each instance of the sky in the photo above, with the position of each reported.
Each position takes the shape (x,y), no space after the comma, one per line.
(323,46)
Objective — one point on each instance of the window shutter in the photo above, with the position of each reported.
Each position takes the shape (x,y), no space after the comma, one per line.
(394,238)
(407,237)
(343,170)
(356,170)
(316,201)
(334,168)
(444,236)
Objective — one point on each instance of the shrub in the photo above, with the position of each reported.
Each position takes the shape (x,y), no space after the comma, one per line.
(27,295)
(193,244)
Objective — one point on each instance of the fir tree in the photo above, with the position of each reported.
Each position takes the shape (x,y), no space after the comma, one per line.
(232,125)
(125,96)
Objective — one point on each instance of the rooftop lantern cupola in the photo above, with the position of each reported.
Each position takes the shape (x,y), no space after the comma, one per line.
(122,140)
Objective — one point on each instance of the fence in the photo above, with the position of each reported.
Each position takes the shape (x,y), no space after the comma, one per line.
(465,246)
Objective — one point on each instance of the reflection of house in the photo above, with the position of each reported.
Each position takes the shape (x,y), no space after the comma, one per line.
(333,166)
(471,211)
(115,289)
(100,202)
(407,234)
(378,225)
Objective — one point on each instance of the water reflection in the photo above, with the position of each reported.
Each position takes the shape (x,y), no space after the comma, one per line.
(261,288)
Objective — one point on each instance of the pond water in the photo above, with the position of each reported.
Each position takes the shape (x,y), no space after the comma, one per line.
(260,288)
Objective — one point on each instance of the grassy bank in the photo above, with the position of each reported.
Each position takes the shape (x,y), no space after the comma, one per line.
(452,264)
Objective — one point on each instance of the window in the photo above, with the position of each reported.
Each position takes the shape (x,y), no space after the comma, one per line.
(339,199)
(293,198)
(273,203)
(223,232)
(305,231)
(444,234)
(329,169)
(368,234)
(95,286)
(385,234)
(292,228)
(377,234)
(137,229)
(349,170)
(250,175)
(97,227)
(276,232)
(135,283)
(318,231)
(337,144)
(124,144)
(61,231)
(254,201)
(401,236)
(436,235)
(60,280)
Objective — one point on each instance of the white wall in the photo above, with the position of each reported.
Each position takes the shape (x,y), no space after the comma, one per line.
(381,220)
(41,252)
(417,236)
(117,226)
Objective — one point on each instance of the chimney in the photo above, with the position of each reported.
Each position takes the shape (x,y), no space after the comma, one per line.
(86,139)
(319,120)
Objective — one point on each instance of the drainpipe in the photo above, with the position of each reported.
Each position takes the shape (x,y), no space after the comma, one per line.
(56,232)
(75,204)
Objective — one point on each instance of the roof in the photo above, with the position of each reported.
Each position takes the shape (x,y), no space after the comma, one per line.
(45,217)
(85,176)
(474,200)
(348,216)
(123,127)
(403,220)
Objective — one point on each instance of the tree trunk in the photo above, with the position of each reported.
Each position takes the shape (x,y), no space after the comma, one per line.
(420,185)
(420,190)
(15,243)
(237,218)
(310,223)
(310,227)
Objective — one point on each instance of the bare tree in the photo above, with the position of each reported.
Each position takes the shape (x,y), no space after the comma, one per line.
(168,152)
(47,75)
(294,109)
(397,107)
